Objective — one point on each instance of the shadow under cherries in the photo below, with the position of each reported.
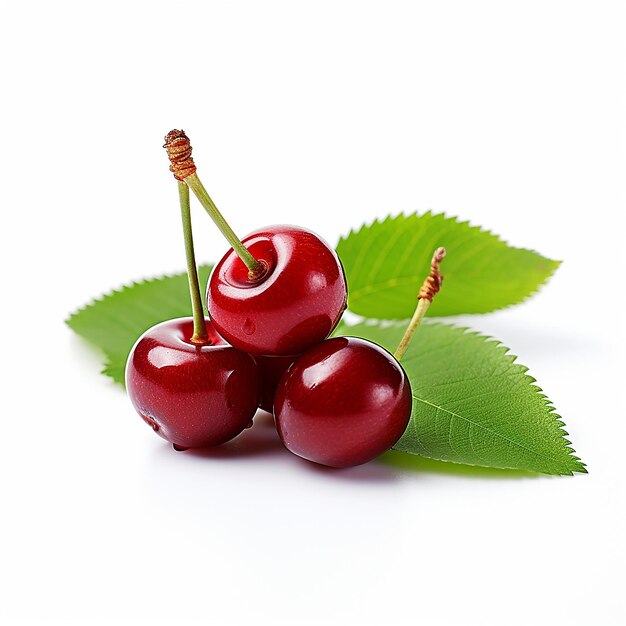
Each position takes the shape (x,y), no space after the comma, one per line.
(261,440)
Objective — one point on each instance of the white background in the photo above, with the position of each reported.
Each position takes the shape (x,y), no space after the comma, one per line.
(326,114)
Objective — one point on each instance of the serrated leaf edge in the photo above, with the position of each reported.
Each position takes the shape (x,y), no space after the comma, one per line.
(480,229)
(550,408)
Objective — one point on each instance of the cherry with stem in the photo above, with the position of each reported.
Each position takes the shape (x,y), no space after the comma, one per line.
(278,291)
(182,377)
(347,400)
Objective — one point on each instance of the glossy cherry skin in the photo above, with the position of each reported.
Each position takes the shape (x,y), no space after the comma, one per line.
(342,403)
(193,396)
(271,370)
(294,305)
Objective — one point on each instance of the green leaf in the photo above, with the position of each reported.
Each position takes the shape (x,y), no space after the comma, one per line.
(472,403)
(114,322)
(386,262)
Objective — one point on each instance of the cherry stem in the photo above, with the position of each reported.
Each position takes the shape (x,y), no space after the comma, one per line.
(179,151)
(428,291)
(255,268)
(199,326)
(418,316)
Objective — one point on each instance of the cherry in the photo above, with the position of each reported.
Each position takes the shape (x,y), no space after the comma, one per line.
(295,303)
(183,379)
(342,403)
(191,395)
(280,290)
(271,370)
(347,400)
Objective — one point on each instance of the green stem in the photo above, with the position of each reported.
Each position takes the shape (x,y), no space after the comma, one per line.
(254,267)
(418,316)
(199,327)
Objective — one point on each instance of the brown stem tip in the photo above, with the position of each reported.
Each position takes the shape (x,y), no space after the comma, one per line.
(433,281)
(179,152)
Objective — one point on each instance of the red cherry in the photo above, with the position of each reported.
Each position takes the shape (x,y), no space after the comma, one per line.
(342,403)
(271,370)
(191,395)
(294,304)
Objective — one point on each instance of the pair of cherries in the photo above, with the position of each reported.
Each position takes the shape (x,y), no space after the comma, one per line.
(339,402)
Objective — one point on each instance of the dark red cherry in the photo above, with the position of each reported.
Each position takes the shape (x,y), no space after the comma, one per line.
(271,370)
(342,403)
(293,305)
(193,396)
